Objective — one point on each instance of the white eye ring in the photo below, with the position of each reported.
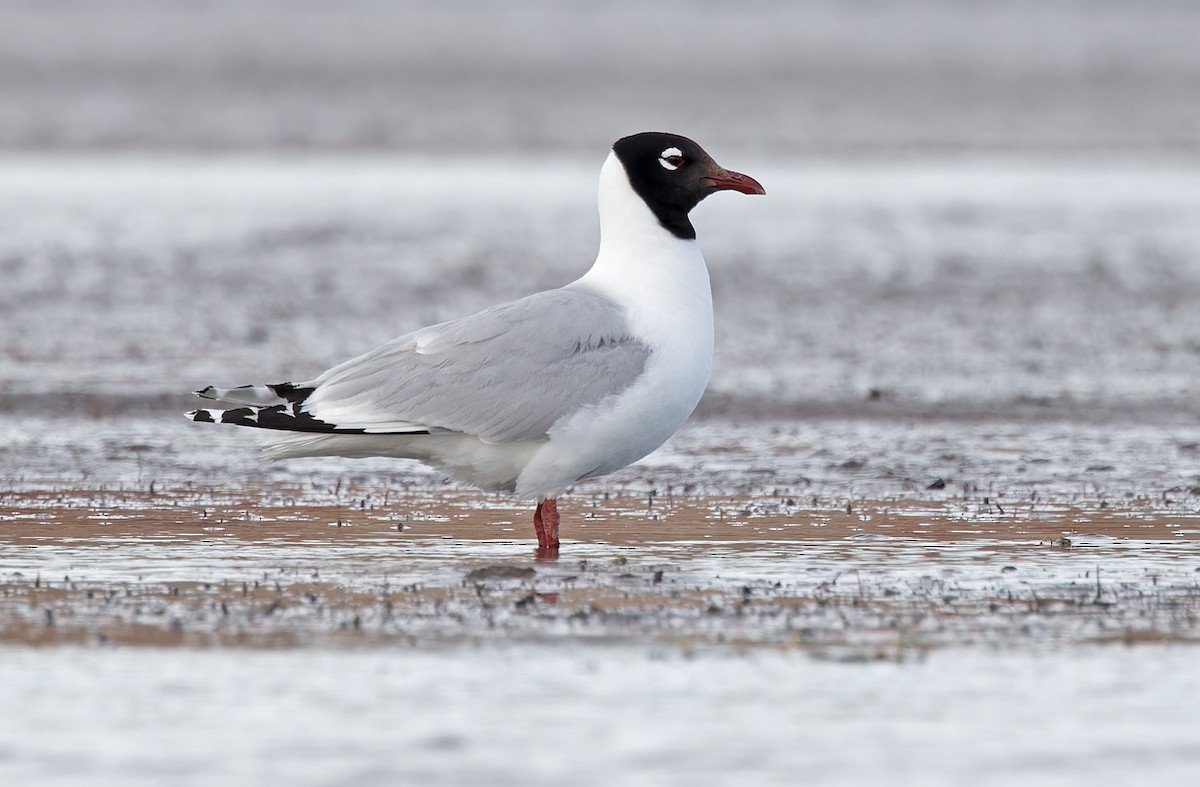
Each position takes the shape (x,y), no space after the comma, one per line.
(665,157)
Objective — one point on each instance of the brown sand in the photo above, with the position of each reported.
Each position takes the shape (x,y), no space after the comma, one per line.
(624,520)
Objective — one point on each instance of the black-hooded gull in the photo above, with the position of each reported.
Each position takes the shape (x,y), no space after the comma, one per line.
(531,396)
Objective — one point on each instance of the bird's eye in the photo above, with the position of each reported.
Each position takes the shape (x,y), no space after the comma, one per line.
(671,158)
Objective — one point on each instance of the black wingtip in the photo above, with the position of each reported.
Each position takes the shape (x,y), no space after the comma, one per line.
(291,393)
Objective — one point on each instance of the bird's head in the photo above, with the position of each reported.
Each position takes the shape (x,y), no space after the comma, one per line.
(671,174)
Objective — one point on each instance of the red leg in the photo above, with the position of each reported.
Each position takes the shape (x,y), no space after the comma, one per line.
(550,521)
(545,524)
(538,527)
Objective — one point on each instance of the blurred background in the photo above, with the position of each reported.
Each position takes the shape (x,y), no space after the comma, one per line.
(867,77)
(980,216)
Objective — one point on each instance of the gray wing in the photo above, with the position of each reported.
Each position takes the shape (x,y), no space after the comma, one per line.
(506,374)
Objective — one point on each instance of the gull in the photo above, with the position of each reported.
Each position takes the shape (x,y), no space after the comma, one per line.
(532,396)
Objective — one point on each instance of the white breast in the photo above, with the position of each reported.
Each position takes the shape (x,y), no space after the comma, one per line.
(662,282)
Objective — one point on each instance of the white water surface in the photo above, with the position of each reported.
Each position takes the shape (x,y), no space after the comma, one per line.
(592,716)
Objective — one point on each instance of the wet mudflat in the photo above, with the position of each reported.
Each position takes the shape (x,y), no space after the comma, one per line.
(934,524)
(355,634)
(855,579)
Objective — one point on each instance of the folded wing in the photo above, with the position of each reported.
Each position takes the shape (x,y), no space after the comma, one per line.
(506,374)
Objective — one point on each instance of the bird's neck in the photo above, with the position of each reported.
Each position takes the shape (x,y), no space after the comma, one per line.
(636,251)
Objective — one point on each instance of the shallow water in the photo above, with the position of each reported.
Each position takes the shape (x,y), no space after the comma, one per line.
(970,289)
(882,579)
(1002,328)
(967,337)
(595,715)
(357,635)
